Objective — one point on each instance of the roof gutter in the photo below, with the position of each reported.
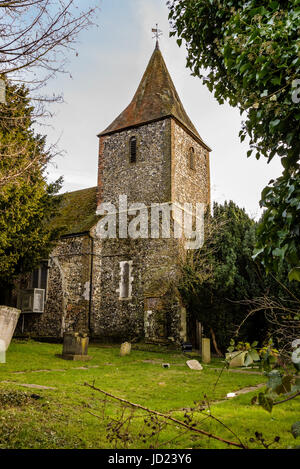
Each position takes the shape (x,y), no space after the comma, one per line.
(91,285)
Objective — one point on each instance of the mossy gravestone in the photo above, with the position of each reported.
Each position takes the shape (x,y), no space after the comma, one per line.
(75,346)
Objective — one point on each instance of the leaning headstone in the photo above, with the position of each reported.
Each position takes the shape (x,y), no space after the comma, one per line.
(76,346)
(8,321)
(2,351)
(194,365)
(236,358)
(125,349)
(206,357)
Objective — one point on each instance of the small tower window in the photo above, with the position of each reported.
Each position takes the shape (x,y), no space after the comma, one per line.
(192,158)
(132,150)
(126,279)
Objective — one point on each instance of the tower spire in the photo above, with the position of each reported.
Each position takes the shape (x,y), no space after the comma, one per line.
(156,98)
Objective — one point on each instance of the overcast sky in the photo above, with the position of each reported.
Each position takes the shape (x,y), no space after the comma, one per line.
(105,75)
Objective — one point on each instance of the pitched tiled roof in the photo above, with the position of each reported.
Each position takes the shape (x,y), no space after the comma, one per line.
(155,98)
(77,213)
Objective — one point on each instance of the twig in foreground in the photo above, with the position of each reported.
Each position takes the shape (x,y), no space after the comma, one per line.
(168,417)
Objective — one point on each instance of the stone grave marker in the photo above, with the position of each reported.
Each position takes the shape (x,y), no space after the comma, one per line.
(76,346)
(194,365)
(8,321)
(2,351)
(236,359)
(206,357)
(125,349)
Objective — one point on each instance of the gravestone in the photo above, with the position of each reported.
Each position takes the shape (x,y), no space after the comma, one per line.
(125,349)
(8,321)
(206,357)
(236,358)
(194,365)
(2,351)
(76,346)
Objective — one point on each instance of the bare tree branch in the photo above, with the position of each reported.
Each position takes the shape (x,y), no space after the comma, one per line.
(168,417)
(32,33)
(34,38)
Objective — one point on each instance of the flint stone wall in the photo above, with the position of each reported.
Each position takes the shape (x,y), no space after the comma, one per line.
(189,185)
(147,181)
(67,296)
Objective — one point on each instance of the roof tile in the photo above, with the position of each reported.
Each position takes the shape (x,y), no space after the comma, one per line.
(155,98)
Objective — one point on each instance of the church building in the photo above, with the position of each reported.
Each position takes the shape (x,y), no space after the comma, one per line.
(123,288)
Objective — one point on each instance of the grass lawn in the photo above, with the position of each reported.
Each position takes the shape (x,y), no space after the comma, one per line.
(75,416)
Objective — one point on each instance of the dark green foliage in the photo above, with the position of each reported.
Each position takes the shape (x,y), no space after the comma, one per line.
(279,231)
(15,398)
(215,299)
(296,429)
(250,54)
(27,202)
(221,283)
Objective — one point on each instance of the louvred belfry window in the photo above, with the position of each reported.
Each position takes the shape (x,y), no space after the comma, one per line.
(133,150)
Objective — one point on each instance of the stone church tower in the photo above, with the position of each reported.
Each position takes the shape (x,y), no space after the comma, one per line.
(151,153)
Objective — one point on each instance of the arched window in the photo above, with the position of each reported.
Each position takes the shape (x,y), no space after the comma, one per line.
(132,150)
(192,158)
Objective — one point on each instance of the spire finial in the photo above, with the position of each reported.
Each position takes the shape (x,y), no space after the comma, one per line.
(157,33)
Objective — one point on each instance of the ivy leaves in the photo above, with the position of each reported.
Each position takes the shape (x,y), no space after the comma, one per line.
(251,355)
(279,231)
(279,384)
(281,381)
(251,52)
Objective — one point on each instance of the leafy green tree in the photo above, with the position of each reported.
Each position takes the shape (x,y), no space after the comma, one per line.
(222,274)
(27,202)
(250,52)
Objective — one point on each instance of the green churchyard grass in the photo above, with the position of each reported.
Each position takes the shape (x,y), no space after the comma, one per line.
(64,413)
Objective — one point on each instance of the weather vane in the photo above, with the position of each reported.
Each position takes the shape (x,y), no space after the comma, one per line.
(157,33)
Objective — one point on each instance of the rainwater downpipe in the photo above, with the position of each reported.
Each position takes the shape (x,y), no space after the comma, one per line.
(91,285)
